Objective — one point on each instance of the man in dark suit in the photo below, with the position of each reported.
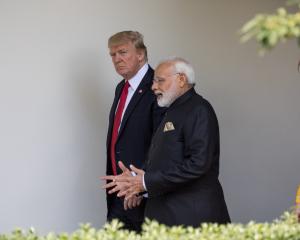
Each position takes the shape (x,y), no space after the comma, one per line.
(182,167)
(133,118)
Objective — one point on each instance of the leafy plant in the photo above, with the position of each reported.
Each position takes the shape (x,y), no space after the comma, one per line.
(270,29)
(284,228)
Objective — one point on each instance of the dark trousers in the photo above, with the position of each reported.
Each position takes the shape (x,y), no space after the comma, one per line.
(132,218)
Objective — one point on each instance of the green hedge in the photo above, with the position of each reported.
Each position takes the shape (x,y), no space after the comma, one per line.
(284,228)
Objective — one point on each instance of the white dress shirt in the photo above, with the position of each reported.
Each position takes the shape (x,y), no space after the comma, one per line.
(134,82)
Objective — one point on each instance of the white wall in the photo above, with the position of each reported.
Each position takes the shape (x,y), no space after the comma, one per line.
(57,85)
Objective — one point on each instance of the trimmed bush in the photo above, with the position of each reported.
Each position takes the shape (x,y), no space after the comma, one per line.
(284,228)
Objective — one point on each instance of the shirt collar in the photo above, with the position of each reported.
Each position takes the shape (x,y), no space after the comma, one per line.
(138,77)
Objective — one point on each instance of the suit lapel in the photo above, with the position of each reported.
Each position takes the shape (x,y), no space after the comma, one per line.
(139,92)
(114,107)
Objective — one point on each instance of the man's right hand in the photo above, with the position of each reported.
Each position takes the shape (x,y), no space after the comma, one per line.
(132,202)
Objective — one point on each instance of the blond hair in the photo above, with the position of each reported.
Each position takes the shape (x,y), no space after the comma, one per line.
(129,36)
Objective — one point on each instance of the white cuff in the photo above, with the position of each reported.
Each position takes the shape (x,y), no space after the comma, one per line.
(144,185)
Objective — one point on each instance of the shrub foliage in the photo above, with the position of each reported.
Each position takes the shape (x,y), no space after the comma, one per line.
(284,228)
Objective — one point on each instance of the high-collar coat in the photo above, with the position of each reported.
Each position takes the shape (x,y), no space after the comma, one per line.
(182,167)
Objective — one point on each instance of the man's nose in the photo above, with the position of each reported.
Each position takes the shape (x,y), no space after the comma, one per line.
(154,86)
(117,58)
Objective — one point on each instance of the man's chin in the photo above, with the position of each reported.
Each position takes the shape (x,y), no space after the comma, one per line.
(122,72)
(162,103)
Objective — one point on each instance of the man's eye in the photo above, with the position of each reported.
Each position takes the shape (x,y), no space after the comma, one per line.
(123,52)
(159,81)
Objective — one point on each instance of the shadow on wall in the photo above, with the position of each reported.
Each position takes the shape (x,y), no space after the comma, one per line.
(92,108)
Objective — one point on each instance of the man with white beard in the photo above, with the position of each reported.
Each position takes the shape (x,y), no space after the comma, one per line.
(181,172)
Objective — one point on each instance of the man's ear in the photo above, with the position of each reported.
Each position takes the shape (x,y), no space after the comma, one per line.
(182,79)
(141,55)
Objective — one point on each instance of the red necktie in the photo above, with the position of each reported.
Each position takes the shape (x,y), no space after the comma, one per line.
(116,126)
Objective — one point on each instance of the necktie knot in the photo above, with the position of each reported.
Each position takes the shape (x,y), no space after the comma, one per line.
(126,86)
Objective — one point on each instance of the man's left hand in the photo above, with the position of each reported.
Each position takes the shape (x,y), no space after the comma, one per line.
(134,183)
(113,185)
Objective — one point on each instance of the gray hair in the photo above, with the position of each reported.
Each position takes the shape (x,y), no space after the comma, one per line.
(129,36)
(181,65)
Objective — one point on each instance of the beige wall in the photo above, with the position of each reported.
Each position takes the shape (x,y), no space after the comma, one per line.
(57,85)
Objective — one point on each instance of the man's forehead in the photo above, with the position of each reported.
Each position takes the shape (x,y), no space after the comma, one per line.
(122,45)
(163,69)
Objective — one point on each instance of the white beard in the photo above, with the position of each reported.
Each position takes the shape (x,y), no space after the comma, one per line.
(168,97)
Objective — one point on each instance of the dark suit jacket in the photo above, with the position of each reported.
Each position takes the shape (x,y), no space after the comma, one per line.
(140,120)
(183,166)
